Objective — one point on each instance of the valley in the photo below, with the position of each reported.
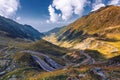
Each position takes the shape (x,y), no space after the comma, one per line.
(87,49)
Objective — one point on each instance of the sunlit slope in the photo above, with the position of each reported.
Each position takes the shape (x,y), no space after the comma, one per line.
(100,30)
(104,23)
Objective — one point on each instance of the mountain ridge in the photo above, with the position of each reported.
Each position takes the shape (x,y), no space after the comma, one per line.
(54,30)
(16,30)
(94,24)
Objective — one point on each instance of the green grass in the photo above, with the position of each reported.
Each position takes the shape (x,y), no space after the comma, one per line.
(95,55)
(22,59)
(59,77)
(48,48)
(55,75)
(18,73)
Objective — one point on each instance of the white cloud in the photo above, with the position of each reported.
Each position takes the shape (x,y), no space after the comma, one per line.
(47,21)
(53,16)
(8,7)
(114,2)
(18,18)
(78,6)
(98,4)
(67,8)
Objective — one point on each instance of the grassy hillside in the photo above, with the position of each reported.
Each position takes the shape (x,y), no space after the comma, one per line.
(85,48)
(15,30)
(48,48)
(98,31)
(80,73)
(22,63)
(55,31)
(103,23)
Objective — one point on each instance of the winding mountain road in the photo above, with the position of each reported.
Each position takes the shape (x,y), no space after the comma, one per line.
(42,63)
(100,72)
(89,58)
(4,50)
(48,65)
(53,63)
(1,50)
(97,71)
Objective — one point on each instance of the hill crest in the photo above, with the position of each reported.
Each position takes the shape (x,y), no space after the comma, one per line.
(100,22)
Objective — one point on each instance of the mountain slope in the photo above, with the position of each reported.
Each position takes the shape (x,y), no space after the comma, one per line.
(103,22)
(16,61)
(100,30)
(16,30)
(55,30)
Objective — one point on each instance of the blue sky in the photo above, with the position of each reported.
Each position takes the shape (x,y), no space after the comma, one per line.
(34,8)
(44,15)
(35,13)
